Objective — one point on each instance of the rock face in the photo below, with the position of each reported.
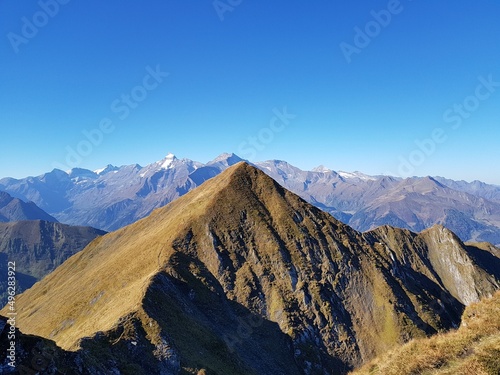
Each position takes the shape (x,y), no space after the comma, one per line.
(241,276)
(472,349)
(460,268)
(33,355)
(37,247)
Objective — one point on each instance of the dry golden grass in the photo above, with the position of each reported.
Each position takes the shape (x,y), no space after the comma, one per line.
(93,289)
(244,238)
(473,349)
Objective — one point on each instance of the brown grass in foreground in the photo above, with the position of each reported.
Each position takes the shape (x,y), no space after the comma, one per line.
(473,349)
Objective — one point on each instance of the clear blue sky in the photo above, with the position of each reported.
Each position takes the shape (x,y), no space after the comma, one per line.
(228,78)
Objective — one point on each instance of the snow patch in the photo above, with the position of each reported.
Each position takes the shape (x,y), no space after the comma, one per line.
(322,168)
(106,169)
(167,162)
(357,175)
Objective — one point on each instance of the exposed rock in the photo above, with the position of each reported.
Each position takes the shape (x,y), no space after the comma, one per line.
(241,276)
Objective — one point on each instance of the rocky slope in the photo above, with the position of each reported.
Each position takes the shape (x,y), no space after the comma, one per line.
(466,271)
(34,355)
(241,276)
(472,349)
(37,247)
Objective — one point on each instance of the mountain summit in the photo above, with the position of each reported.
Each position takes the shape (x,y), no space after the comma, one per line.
(14,209)
(241,276)
(167,161)
(112,197)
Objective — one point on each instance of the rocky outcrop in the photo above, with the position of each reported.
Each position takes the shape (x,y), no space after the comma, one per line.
(241,276)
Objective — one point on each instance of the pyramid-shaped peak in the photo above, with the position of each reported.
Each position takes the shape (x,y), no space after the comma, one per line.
(235,183)
(167,161)
(321,168)
(242,199)
(244,169)
(243,176)
(227,159)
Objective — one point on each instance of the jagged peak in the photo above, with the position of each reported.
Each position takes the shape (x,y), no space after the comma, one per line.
(81,173)
(108,168)
(226,158)
(167,161)
(322,169)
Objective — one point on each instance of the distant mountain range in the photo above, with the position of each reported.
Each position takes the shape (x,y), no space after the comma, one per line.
(241,276)
(112,197)
(14,209)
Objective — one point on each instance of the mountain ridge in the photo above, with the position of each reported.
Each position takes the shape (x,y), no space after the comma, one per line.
(15,209)
(122,195)
(241,248)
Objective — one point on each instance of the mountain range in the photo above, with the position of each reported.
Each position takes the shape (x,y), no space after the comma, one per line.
(242,276)
(112,197)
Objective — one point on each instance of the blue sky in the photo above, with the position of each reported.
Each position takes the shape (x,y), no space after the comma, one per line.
(396,87)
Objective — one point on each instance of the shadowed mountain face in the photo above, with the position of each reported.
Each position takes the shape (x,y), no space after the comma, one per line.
(472,349)
(241,276)
(37,247)
(13,209)
(113,197)
(34,354)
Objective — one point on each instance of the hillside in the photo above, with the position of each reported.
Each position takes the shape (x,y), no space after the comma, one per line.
(474,348)
(241,276)
(38,247)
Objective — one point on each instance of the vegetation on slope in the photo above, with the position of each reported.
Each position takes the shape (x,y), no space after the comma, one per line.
(37,247)
(242,276)
(474,348)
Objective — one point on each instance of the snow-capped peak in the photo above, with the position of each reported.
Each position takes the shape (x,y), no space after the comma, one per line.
(106,169)
(321,168)
(167,162)
(81,174)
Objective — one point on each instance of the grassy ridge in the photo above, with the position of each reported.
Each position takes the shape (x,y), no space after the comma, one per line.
(474,348)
